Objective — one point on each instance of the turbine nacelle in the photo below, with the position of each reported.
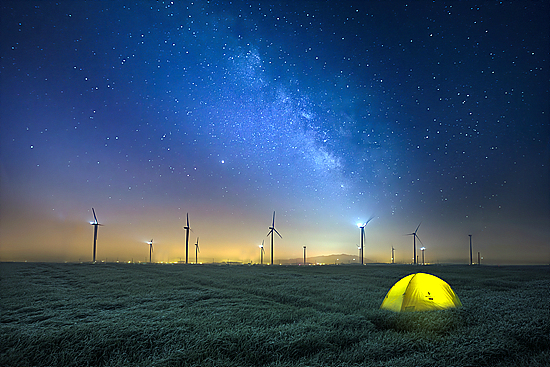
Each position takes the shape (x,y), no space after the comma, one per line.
(95,222)
(364,224)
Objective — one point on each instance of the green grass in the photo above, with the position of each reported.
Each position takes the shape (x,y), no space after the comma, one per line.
(176,315)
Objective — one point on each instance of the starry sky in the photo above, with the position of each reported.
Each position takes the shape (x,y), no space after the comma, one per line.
(326,112)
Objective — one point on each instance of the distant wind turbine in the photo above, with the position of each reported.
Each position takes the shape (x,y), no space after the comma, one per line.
(362,227)
(470,248)
(305,255)
(197,251)
(150,243)
(187,229)
(96,224)
(415,236)
(392,255)
(262,251)
(271,230)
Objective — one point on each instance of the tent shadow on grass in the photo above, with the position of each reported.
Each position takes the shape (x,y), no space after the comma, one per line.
(436,323)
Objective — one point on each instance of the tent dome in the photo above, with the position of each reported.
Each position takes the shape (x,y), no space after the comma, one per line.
(420,292)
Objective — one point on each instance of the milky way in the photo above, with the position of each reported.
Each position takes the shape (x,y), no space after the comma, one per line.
(326,112)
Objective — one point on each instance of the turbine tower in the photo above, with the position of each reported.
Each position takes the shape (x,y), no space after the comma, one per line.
(305,255)
(197,251)
(470,248)
(392,255)
(187,228)
(262,251)
(271,230)
(96,224)
(415,236)
(362,227)
(150,243)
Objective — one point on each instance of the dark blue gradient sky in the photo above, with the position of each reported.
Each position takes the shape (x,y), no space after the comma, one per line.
(326,112)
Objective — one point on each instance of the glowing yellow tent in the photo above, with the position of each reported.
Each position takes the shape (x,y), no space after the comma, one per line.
(420,292)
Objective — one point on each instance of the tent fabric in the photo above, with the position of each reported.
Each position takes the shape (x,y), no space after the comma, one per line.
(420,292)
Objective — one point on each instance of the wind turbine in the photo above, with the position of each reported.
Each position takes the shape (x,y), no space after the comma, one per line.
(262,251)
(392,255)
(362,227)
(150,243)
(197,251)
(271,230)
(305,255)
(415,236)
(422,249)
(96,224)
(187,228)
(470,248)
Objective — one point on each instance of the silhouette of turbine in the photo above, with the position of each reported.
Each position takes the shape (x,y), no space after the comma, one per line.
(96,224)
(392,255)
(150,243)
(362,227)
(187,229)
(271,230)
(415,236)
(471,249)
(262,251)
(197,251)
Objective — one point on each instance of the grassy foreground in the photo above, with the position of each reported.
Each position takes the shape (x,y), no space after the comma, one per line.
(176,315)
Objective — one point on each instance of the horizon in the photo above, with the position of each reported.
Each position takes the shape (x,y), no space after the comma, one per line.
(326,113)
(287,262)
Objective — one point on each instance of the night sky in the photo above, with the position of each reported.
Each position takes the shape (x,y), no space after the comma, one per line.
(327,112)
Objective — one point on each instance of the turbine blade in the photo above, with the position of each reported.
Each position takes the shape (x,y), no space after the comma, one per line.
(277,232)
(95,218)
(419,239)
(417,227)
(187,219)
(371,218)
(273,219)
(268,233)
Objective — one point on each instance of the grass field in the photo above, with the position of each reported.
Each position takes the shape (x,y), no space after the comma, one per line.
(206,315)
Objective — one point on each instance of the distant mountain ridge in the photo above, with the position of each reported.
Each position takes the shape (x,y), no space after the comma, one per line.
(326,259)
